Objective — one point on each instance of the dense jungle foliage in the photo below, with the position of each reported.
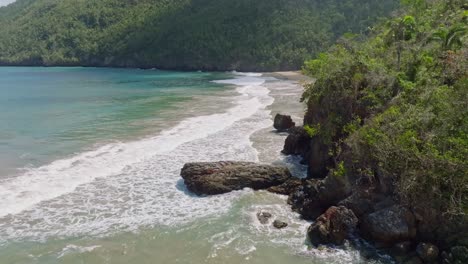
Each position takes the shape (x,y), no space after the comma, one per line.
(179,34)
(394,107)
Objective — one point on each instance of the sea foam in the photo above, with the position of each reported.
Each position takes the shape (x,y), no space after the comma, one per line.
(124,186)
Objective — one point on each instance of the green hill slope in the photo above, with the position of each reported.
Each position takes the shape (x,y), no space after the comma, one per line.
(390,112)
(182,34)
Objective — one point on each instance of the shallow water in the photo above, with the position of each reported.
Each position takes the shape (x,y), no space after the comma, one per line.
(122,200)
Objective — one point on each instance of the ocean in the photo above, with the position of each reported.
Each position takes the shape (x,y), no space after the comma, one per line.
(90,163)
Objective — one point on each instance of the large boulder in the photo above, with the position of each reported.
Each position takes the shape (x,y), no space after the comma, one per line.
(389,225)
(283,122)
(297,142)
(280,224)
(333,227)
(210,178)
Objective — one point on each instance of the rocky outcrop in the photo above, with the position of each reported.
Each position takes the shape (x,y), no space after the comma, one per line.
(333,227)
(283,122)
(297,142)
(318,158)
(314,196)
(287,187)
(210,178)
(280,224)
(263,217)
(389,225)
(361,201)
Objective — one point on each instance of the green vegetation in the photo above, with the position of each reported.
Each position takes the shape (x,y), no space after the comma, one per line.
(312,130)
(246,35)
(399,102)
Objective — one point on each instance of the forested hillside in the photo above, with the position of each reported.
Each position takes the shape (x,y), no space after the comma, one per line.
(179,34)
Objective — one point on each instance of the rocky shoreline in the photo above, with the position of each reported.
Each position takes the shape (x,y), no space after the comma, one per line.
(341,206)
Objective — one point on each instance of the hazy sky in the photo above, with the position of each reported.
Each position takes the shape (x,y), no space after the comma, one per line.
(5,2)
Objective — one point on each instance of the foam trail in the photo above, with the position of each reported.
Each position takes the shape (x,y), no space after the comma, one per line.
(64,176)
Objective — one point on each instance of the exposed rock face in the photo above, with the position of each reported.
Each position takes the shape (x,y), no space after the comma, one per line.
(263,217)
(361,202)
(427,252)
(279,224)
(315,196)
(283,122)
(333,227)
(286,188)
(390,225)
(210,178)
(318,158)
(297,143)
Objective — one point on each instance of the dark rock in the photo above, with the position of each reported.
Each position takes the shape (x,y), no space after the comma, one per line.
(279,224)
(318,158)
(362,202)
(402,247)
(427,252)
(390,225)
(445,258)
(297,143)
(413,260)
(221,177)
(283,122)
(315,196)
(432,225)
(286,188)
(263,217)
(333,227)
(306,200)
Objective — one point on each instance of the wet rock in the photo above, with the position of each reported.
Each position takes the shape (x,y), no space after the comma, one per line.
(283,122)
(297,143)
(402,247)
(210,178)
(263,217)
(315,196)
(286,188)
(427,252)
(389,225)
(279,224)
(333,227)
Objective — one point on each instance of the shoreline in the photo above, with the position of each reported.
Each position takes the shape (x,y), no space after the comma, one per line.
(181,69)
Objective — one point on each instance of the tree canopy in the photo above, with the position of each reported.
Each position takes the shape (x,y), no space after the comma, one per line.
(249,35)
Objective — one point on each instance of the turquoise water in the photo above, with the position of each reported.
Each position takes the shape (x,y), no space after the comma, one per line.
(47,113)
(90,165)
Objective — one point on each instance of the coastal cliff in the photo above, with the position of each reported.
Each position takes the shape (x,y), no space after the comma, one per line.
(384,134)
